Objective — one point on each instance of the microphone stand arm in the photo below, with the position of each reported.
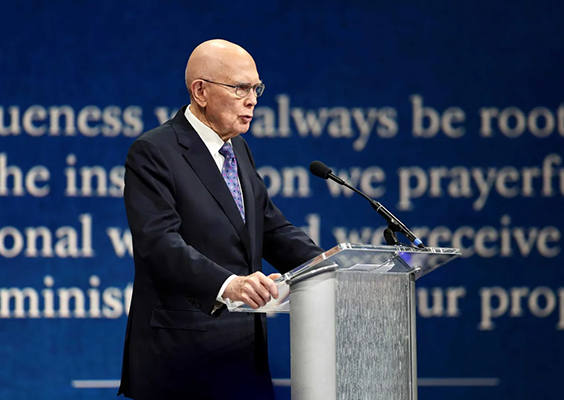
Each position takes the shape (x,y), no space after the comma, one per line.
(394,225)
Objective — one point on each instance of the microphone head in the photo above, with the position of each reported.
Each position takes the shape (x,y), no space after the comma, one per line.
(319,169)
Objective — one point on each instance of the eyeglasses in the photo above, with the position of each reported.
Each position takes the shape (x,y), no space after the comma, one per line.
(243,89)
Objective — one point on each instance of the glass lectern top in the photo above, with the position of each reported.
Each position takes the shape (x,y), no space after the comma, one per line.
(357,257)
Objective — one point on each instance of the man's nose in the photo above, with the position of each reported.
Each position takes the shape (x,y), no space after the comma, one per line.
(251,99)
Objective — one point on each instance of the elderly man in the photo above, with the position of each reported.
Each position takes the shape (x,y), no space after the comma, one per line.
(202,222)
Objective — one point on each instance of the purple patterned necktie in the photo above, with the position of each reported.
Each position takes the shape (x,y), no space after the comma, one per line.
(229,173)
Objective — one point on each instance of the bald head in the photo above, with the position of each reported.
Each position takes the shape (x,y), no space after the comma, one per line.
(215,73)
(216,59)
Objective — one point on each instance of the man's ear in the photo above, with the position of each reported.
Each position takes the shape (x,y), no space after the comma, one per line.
(197,89)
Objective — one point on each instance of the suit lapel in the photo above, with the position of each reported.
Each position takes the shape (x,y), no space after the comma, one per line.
(197,155)
(246,173)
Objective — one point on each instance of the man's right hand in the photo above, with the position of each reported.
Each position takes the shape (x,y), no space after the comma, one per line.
(254,290)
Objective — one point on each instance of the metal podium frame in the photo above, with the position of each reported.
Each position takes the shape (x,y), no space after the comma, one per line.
(352,321)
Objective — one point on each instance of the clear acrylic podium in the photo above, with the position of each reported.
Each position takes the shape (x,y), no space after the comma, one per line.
(352,321)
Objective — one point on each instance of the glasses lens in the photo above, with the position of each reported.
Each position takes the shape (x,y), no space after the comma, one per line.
(259,89)
(243,89)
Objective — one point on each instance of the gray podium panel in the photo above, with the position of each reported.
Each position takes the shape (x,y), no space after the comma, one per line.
(375,341)
(313,339)
(353,337)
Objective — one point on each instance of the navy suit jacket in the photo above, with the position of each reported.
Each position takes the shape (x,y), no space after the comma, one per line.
(188,238)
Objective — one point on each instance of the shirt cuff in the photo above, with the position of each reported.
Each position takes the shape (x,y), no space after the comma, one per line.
(219,297)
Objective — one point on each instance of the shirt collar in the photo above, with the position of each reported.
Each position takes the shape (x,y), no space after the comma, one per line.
(210,138)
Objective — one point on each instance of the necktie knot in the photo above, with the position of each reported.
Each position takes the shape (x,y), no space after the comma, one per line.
(227,151)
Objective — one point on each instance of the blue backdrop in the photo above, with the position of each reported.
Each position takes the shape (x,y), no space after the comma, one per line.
(450,114)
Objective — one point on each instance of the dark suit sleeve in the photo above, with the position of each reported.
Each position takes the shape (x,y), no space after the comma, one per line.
(150,201)
(285,246)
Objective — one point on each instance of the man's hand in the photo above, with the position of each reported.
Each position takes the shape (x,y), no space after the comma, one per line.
(254,290)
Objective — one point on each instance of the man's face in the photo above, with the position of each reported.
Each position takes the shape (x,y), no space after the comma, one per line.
(228,114)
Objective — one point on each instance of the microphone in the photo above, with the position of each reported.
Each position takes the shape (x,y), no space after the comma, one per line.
(321,170)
